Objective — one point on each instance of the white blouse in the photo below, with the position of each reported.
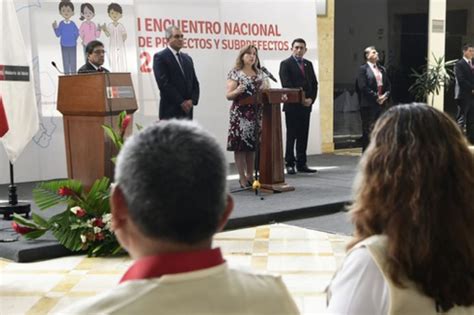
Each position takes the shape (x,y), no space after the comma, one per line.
(359,287)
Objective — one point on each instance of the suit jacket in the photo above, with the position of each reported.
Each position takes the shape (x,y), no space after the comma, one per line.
(88,68)
(292,77)
(366,85)
(175,87)
(215,290)
(464,80)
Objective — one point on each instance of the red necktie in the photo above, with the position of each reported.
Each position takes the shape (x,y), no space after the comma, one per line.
(3,119)
(301,64)
(378,78)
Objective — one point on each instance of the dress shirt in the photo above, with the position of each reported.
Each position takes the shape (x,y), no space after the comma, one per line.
(172,263)
(359,287)
(176,57)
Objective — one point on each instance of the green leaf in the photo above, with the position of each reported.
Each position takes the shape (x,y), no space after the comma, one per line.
(432,77)
(98,198)
(111,134)
(46,194)
(23,221)
(35,234)
(40,221)
(121,117)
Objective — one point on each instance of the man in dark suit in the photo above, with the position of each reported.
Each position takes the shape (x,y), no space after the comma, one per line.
(95,58)
(297,72)
(176,78)
(465,83)
(373,87)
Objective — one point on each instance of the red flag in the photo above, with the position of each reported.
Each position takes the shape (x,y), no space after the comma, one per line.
(3,119)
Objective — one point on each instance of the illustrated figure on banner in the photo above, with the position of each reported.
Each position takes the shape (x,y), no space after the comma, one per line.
(88,30)
(118,35)
(68,33)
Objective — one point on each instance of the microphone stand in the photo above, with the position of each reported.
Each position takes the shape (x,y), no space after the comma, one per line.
(13,206)
(256,181)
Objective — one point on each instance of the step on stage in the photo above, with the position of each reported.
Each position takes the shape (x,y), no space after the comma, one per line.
(322,193)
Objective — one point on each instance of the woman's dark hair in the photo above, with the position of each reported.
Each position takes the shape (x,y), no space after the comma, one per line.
(416,186)
(86,5)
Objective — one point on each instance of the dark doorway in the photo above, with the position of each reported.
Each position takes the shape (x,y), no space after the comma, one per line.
(399,31)
(413,50)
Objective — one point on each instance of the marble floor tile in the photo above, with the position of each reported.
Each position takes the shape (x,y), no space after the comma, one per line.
(305,259)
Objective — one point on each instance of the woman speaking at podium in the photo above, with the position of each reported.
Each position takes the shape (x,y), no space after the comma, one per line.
(244,80)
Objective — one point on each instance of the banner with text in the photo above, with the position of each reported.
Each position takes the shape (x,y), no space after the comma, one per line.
(132,32)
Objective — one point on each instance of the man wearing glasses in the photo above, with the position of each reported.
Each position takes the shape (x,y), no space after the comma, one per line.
(95,58)
(176,78)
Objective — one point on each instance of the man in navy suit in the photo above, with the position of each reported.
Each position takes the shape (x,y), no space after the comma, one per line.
(465,88)
(297,72)
(373,87)
(176,78)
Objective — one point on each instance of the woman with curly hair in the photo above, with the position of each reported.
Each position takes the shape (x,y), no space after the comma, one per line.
(413,251)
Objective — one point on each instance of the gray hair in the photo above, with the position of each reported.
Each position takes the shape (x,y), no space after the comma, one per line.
(173,176)
(367,51)
(169,31)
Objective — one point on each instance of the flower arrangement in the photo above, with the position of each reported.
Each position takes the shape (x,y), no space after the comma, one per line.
(85,224)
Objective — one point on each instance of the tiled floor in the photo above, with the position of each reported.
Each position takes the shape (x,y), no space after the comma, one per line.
(306,260)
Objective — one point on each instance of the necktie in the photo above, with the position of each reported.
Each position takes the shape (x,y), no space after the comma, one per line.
(378,78)
(301,65)
(100,69)
(180,61)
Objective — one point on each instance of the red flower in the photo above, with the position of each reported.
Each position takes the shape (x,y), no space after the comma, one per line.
(125,123)
(98,222)
(80,213)
(64,191)
(99,236)
(21,229)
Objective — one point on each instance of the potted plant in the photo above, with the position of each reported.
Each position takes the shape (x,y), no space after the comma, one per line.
(432,77)
(85,224)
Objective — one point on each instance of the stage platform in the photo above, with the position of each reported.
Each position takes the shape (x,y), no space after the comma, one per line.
(315,195)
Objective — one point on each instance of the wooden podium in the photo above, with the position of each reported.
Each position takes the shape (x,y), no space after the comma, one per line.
(272,176)
(88,101)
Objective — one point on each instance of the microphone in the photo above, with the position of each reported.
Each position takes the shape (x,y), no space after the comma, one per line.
(56,67)
(268,73)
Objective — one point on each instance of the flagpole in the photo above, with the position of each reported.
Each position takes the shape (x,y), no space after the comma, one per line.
(13,206)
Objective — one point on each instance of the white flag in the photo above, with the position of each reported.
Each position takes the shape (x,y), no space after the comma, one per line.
(16,84)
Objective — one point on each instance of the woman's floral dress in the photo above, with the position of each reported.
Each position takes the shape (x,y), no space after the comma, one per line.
(245,120)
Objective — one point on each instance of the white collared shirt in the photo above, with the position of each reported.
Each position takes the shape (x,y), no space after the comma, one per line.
(469,62)
(377,73)
(95,67)
(176,57)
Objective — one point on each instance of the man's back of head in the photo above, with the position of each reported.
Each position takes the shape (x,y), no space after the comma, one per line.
(169,199)
(173,178)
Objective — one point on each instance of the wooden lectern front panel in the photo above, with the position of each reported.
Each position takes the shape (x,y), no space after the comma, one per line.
(88,101)
(88,150)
